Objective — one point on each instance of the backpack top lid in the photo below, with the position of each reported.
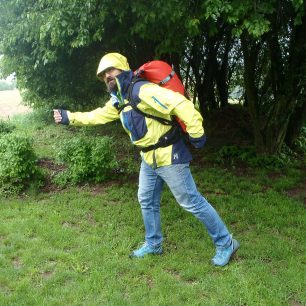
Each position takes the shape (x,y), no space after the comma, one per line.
(161,73)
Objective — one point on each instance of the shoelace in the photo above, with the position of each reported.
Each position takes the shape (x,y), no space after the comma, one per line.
(220,251)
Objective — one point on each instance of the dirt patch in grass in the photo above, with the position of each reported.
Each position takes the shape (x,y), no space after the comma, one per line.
(52,169)
(50,165)
(16,263)
(298,193)
(47,274)
(100,188)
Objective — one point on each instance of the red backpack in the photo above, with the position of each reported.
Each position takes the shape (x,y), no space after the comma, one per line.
(161,73)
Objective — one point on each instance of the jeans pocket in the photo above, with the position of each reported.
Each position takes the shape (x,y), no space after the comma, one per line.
(135,123)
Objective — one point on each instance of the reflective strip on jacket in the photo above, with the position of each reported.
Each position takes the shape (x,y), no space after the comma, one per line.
(144,131)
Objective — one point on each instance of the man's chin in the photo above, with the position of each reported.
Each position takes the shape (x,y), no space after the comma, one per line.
(112,86)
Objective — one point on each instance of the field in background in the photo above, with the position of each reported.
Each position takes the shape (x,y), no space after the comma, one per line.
(10,104)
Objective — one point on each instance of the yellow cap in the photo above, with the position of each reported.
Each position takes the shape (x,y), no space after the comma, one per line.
(115,60)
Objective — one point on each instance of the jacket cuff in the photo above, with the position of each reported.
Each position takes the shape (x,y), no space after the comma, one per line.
(65,119)
(198,142)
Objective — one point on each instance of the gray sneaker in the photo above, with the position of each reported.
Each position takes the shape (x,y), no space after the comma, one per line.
(145,249)
(223,255)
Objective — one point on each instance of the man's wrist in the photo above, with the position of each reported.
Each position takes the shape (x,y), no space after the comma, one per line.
(65,118)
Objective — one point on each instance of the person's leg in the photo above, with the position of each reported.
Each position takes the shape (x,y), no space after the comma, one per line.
(149,193)
(181,183)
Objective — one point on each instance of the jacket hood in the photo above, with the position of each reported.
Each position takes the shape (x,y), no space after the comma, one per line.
(115,60)
(124,80)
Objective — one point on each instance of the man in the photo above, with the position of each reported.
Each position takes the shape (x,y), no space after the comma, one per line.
(160,164)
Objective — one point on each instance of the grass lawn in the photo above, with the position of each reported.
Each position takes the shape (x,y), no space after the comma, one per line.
(71,246)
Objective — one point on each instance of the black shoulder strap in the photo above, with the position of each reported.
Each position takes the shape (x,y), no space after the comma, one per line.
(132,103)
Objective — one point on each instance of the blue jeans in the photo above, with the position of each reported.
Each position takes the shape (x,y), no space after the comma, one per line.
(180,181)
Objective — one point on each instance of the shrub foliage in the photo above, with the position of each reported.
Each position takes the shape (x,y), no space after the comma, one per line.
(248,155)
(6,127)
(87,160)
(18,168)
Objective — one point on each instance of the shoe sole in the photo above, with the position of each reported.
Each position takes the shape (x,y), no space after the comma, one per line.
(132,255)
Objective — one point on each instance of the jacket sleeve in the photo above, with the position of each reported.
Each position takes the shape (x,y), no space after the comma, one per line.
(100,115)
(193,121)
(168,102)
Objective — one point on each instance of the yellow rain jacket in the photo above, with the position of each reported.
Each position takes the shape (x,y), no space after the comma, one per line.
(144,131)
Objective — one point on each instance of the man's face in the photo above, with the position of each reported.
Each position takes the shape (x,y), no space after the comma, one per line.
(108,76)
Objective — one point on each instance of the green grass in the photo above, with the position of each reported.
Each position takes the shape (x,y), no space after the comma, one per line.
(71,246)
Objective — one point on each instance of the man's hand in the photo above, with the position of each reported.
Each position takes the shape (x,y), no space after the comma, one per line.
(57,116)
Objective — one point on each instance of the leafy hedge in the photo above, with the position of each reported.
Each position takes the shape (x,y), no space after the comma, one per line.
(18,168)
(248,155)
(87,160)
(6,127)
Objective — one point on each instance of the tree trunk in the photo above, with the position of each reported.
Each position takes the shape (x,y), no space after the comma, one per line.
(275,131)
(275,112)
(222,76)
(250,58)
(210,71)
(296,122)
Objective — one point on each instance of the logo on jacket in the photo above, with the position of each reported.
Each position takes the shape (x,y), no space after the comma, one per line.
(175,156)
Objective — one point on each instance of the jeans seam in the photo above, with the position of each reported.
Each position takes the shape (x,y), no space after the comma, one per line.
(152,197)
(153,202)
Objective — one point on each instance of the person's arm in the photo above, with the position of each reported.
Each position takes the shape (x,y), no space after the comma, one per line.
(193,121)
(100,115)
(168,102)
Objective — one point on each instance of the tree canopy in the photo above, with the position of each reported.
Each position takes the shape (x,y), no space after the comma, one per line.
(216,47)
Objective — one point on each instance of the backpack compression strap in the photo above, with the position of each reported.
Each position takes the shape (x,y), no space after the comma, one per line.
(168,78)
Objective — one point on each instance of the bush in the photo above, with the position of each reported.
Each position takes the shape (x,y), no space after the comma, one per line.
(6,127)
(235,154)
(300,142)
(87,159)
(18,169)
